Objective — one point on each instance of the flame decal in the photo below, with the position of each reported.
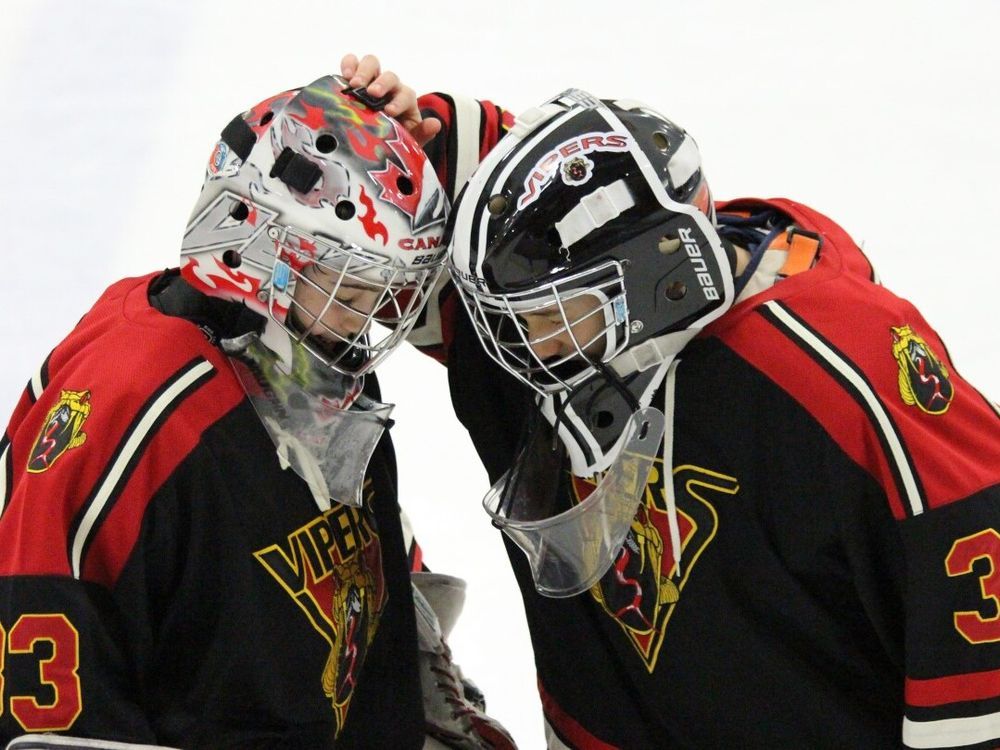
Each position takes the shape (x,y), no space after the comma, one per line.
(367,146)
(373,227)
(313,118)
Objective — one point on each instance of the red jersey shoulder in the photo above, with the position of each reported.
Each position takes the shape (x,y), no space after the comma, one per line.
(849,257)
(118,405)
(866,365)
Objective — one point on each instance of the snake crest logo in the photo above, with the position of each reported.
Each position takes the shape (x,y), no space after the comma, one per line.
(923,378)
(332,569)
(644,583)
(62,431)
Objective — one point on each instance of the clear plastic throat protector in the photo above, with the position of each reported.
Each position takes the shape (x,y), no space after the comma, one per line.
(569,550)
(322,426)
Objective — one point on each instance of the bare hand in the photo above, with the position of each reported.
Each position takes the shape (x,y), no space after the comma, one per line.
(403,103)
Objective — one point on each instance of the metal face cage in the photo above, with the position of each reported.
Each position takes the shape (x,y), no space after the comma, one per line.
(374,301)
(500,324)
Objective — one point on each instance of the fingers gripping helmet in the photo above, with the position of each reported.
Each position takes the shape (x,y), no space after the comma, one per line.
(313,191)
(583,197)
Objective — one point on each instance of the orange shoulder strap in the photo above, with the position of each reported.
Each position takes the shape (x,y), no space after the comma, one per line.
(802,247)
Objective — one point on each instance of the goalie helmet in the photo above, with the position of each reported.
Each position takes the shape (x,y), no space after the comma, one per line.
(585,245)
(594,199)
(315,194)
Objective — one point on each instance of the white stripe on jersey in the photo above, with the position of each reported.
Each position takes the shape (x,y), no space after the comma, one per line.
(951,732)
(3,477)
(35,384)
(135,440)
(466,120)
(867,394)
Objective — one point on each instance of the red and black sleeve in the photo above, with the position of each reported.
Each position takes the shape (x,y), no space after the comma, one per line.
(470,129)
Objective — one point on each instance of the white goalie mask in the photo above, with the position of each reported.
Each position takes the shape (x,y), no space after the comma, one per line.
(313,195)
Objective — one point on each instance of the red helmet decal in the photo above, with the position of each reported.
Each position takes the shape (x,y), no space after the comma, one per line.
(403,186)
(373,227)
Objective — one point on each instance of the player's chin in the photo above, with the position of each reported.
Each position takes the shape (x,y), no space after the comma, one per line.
(338,352)
(345,356)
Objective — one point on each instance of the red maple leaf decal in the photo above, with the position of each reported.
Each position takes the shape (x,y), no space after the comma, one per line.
(412,158)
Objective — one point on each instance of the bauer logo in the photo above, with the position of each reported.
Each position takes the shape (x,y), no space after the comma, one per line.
(470,279)
(698,263)
(571,152)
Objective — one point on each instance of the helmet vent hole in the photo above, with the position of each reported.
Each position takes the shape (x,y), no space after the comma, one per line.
(405,185)
(661,141)
(497,205)
(668,245)
(552,238)
(239,211)
(232,258)
(602,420)
(268,116)
(326,143)
(344,210)
(676,290)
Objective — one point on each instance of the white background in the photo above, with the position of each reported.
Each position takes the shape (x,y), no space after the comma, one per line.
(883,115)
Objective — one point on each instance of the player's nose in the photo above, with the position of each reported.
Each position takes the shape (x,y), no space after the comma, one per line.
(340,320)
(546,342)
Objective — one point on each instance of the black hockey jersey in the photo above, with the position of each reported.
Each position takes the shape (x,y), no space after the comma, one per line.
(163,580)
(838,494)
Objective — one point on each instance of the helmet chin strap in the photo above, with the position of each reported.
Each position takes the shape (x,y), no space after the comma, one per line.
(668,463)
(590,417)
(610,376)
(653,352)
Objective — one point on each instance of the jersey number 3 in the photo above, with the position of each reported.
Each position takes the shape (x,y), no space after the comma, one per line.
(58,672)
(985,545)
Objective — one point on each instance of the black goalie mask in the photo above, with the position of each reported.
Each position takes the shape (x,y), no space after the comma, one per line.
(597,214)
(594,218)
